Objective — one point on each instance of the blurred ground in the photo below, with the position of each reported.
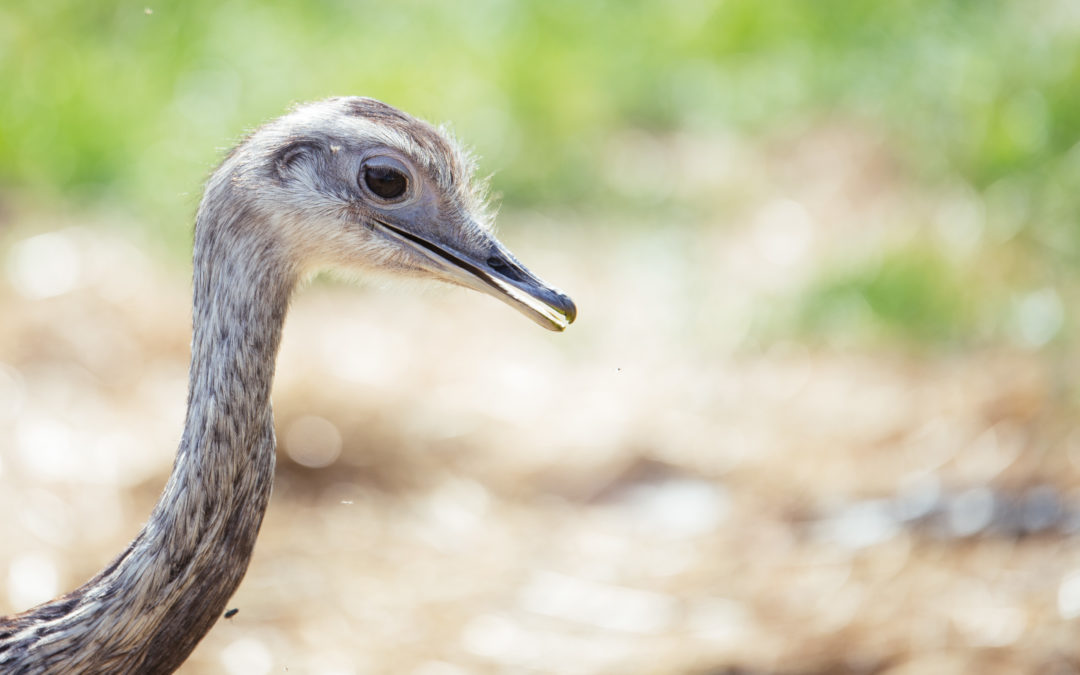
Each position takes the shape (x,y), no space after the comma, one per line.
(682,482)
(818,413)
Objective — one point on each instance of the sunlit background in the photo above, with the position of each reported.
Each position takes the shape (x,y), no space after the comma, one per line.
(818,413)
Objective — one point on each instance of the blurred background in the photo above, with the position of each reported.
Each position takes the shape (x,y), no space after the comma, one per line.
(818,413)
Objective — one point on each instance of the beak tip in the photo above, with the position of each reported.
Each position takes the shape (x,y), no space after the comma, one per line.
(565,306)
(560,313)
(571,310)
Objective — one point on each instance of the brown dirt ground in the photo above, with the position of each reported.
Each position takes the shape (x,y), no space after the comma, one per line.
(654,491)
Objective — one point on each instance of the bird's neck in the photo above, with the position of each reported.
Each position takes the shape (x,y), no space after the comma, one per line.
(148,609)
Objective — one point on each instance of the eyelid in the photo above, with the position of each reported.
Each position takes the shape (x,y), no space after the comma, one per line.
(389,161)
(413,189)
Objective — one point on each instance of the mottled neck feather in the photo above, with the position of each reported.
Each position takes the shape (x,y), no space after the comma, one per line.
(148,609)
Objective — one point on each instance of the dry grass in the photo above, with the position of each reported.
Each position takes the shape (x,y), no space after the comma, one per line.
(655,491)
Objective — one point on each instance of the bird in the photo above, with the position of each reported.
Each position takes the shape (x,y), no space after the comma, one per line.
(349,183)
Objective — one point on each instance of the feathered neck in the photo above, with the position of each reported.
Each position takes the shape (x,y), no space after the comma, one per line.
(148,609)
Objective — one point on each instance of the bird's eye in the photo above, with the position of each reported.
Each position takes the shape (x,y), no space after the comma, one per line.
(385,182)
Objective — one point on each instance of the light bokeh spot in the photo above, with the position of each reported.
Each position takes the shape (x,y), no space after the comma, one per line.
(313,442)
(33,578)
(45,265)
(247,656)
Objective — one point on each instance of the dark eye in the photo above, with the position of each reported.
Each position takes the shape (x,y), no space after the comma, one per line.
(385,182)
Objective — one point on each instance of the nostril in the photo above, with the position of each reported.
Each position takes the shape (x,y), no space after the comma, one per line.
(502,267)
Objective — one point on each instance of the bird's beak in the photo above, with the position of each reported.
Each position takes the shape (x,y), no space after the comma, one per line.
(498,273)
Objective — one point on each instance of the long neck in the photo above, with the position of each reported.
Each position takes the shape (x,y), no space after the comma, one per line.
(147,610)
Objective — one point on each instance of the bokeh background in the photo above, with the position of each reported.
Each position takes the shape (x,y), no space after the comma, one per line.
(818,413)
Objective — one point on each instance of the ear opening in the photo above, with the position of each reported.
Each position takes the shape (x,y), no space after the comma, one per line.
(287,157)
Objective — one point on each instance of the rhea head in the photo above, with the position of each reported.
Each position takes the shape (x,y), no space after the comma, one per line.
(354,183)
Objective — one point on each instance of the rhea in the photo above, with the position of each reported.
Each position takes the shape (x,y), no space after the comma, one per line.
(346,182)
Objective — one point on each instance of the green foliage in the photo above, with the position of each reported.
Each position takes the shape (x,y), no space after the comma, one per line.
(133,103)
(114,94)
(910,293)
